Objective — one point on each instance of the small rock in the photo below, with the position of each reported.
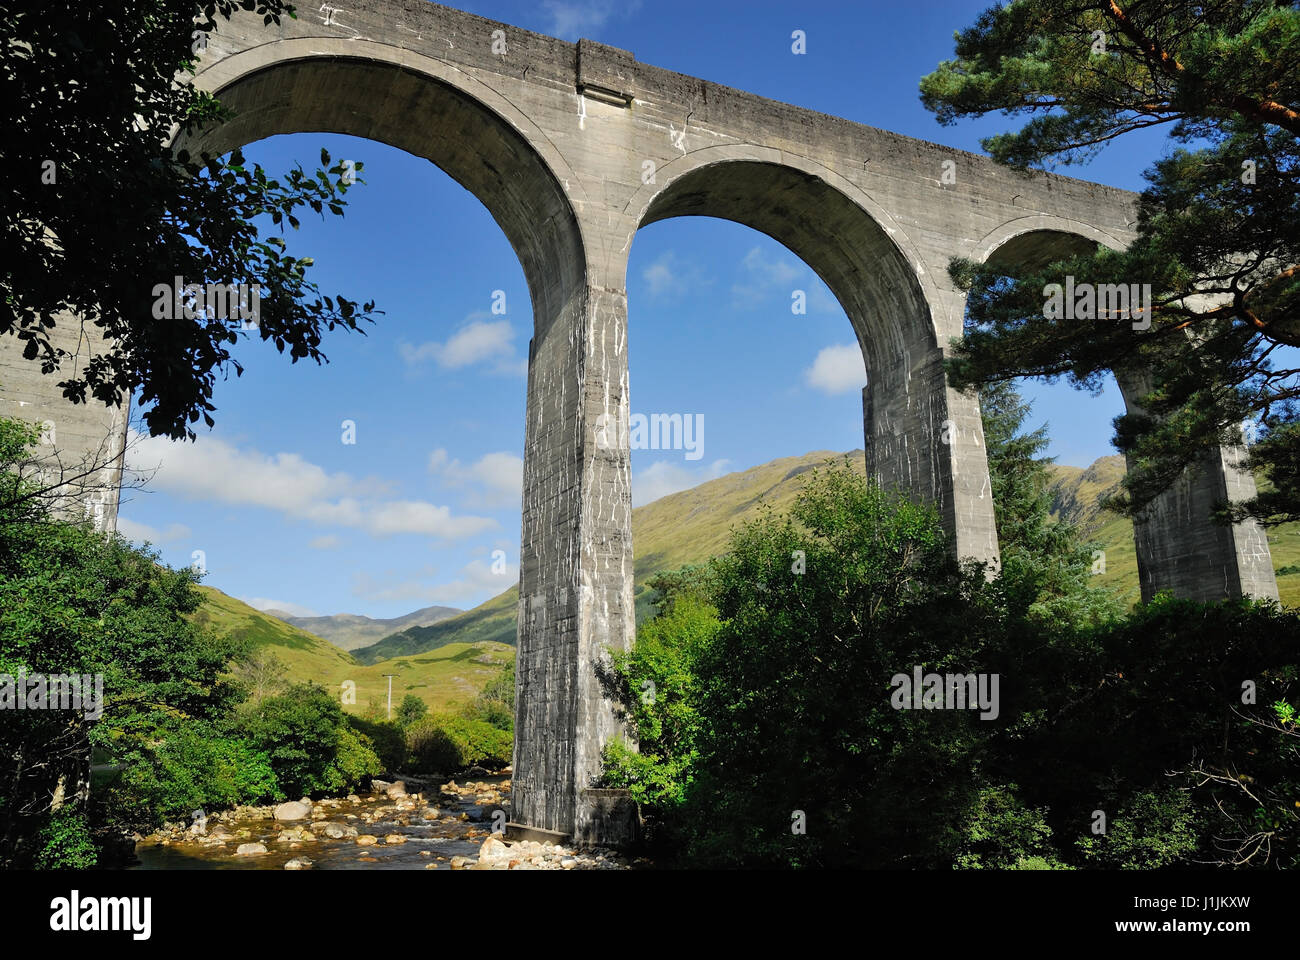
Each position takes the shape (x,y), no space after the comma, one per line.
(397,789)
(367,840)
(250,849)
(298,863)
(460,863)
(394,838)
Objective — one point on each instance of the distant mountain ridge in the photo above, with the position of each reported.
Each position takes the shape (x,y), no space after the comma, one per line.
(351,631)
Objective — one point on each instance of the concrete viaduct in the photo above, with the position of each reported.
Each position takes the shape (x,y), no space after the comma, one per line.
(573,148)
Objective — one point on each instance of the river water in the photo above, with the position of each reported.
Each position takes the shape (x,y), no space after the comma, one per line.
(430,843)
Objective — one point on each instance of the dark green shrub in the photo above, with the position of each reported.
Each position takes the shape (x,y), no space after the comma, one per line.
(388,740)
(311,746)
(430,749)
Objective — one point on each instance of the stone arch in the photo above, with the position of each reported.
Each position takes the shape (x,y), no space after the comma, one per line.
(913,424)
(1178,547)
(822,218)
(377,91)
(431,109)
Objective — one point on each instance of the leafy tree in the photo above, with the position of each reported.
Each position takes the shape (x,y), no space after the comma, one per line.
(191,766)
(657,683)
(1220,218)
(311,746)
(411,709)
(99,208)
(771,701)
(73,602)
(1173,723)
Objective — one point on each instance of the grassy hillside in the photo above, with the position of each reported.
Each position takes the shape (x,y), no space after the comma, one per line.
(1076,496)
(445,678)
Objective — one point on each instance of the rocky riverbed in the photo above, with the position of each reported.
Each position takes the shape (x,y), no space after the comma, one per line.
(408,824)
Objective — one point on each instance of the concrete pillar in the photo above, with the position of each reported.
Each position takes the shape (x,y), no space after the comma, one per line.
(1179,548)
(925,439)
(575,596)
(82,445)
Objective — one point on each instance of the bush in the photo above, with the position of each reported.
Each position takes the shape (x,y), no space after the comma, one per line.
(387,739)
(445,744)
(311,746)
(496,703)
(430,749)
(194,767)
(479,742)
(411,709)
(64,842)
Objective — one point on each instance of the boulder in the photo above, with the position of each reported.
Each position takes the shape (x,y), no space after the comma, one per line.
(397,789)
(492,849)
(333,830)
(250,849)
(292,810)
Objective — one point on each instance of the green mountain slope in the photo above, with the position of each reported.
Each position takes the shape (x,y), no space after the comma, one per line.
(1077,494)
(444,678)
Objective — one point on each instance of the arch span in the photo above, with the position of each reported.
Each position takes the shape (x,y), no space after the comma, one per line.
(913,425)
(433,110)
(419,105)
(1178,547)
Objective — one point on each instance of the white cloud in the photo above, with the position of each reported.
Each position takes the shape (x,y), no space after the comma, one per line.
(495,480)
(211,470)
(140,532)
(665,477)
(571,19)
(475,579)
(763,277)
(838,369)
(668,277)
(479,341)
(284,606)
(327,542)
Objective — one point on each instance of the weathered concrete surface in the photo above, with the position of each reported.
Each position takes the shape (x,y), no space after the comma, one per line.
(82,445)
(573,148)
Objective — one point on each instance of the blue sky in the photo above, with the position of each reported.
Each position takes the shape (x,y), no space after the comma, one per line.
(423,507)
